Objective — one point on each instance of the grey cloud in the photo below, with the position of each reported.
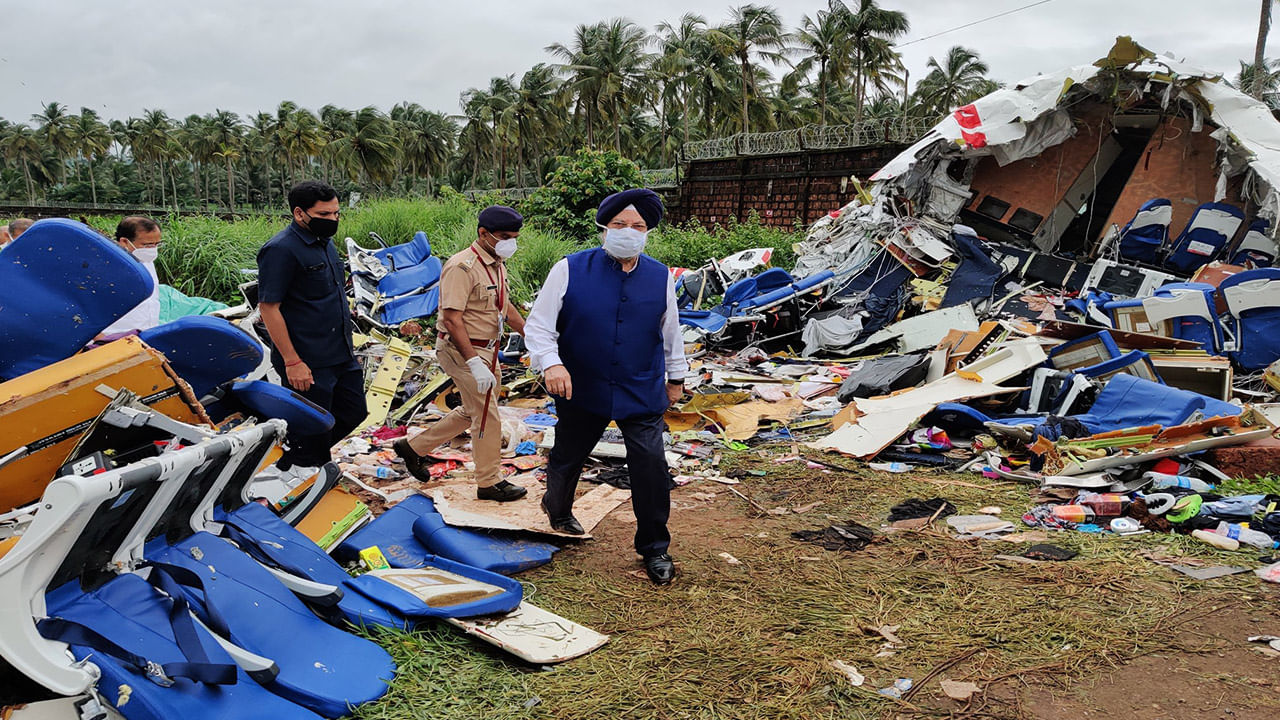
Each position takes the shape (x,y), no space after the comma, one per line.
(247,55)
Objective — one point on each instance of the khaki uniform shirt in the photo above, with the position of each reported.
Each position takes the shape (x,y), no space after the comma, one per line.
(475,282)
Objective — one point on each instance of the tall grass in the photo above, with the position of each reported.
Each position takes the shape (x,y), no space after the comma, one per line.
(204,255)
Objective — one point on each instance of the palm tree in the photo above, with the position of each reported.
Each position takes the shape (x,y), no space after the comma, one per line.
(22,145)
(582,80)
(476,138)
(959,79)
(300,136)
(871,30)
(677,64)
(823,42)
(752,30)
(93,138)
(368,147)
(57,132)
(1263,85)
(335,124)
(426,140)
(151,140)
(534,116)
(225,132)
(1260,47)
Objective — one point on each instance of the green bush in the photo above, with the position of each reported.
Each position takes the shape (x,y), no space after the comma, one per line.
(567,203)
(690,245)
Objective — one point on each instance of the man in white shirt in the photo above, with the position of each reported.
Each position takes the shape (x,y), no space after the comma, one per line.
(605,333)
(139,236)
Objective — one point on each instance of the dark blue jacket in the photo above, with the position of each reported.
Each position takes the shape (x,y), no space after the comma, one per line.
(610,328)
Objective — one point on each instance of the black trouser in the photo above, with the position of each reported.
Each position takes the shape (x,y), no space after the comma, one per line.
(338,389)
(577,432)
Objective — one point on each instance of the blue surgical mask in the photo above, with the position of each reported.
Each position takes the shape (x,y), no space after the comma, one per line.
(624,243)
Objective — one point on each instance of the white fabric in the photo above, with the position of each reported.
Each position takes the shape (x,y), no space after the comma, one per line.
(831,333)
(145,315)
(542,337)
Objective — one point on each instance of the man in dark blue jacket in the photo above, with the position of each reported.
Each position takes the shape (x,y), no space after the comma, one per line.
(303,301)
(605,333)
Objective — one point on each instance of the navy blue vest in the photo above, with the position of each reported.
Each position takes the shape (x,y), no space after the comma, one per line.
(611,335)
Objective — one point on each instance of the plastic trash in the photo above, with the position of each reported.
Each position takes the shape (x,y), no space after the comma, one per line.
(1270,573)
(1216,540)
(1164,480)
(1073,513)
(1104,505)
(899,686)
(378,471)
(1245,535)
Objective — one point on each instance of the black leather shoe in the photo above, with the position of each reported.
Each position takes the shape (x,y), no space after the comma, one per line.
(502,492)
(569,524)
(660,568)
(413,462)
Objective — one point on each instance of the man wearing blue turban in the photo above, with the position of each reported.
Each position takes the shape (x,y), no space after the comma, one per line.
(605,333)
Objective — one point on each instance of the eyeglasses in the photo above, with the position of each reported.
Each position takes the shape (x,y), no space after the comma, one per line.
(618,225)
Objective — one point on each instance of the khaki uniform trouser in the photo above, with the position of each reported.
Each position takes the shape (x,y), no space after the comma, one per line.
(487,450)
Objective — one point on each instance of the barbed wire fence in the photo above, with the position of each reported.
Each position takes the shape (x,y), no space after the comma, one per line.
(812,137)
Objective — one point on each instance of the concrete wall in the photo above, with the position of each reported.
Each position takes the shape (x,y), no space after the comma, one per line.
(782,189)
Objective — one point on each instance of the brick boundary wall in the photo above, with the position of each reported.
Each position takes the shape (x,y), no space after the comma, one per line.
(782,189)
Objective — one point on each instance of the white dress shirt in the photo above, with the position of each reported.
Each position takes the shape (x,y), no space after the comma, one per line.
(145,315)
(542,338)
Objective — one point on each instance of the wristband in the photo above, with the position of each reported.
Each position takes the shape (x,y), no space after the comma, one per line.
(295,362)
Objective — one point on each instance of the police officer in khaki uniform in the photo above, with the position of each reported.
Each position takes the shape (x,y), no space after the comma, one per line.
(474,301)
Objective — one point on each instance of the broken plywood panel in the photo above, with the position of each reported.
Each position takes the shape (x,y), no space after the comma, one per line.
(456,500)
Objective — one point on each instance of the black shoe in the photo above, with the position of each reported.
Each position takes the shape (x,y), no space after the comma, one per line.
(660,568)
(568,525)
(502,492)
(413,462)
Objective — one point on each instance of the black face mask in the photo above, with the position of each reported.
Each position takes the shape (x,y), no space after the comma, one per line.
(321,227)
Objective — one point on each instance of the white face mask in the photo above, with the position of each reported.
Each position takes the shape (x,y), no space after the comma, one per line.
(624,243)
(146,255)
(505,248)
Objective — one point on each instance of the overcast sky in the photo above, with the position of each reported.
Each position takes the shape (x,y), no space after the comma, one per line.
(183,56)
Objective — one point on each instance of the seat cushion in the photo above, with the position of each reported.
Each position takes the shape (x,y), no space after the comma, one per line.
(321,667)
(61,284)
(205,351)
(135,616)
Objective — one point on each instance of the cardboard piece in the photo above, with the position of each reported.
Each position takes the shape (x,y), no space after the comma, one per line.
(742,421)
(48,410)
(457,503)
(532,634)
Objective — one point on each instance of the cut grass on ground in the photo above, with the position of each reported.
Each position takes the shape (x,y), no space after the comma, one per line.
(756,639)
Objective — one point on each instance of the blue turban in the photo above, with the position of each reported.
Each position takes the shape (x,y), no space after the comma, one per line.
(647,203)
(500,218)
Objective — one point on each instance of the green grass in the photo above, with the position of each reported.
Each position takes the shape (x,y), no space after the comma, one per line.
(756,640)
(203,255)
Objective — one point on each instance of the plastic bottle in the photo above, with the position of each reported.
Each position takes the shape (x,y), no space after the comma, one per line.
(1245,536)
(1164,480)
(1216,540)
(378,471)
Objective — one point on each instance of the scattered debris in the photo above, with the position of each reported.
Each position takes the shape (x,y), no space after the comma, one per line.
(855,678)
(849,536)
(957,690)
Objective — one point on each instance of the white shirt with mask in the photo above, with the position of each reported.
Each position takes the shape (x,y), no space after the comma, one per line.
(146,314)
